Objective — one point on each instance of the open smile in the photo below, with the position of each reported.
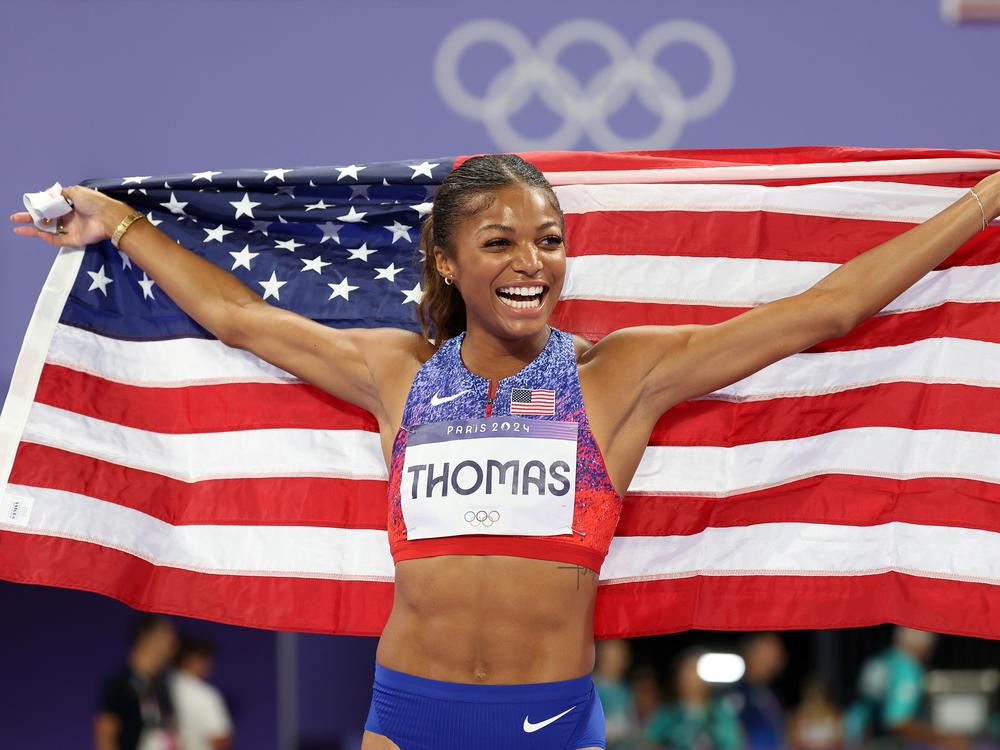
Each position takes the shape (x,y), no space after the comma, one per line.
(523,296)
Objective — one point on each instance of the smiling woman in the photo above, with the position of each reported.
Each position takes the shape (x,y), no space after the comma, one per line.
(496,487)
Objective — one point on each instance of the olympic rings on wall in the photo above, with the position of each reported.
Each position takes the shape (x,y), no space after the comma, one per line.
(583,109)
(482,517)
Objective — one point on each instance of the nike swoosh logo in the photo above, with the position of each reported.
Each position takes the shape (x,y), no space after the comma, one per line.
(529,727)
(437,401)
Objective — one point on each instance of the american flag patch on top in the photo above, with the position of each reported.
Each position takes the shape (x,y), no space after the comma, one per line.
(528,401)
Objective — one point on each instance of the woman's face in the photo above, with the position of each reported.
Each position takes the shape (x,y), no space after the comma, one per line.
(510,261)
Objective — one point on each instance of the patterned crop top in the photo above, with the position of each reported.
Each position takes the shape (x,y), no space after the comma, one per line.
(500,467)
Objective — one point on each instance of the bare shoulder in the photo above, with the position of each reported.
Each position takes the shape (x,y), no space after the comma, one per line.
(635,346)
(621,366)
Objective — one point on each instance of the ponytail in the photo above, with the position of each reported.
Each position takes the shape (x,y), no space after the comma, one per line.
(441,308)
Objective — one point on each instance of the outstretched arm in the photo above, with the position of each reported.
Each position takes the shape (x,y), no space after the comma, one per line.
(672,363)
(340,361)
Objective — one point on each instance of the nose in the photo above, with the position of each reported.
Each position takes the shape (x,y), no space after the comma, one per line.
(527,259)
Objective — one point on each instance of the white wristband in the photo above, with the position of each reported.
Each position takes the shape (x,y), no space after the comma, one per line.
(47,205)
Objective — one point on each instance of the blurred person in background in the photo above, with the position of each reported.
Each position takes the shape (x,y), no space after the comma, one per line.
(613,658)
(815,724)
(693,718)
(135,711)
(647,696)
(760,712)
(203,721)
(889,708)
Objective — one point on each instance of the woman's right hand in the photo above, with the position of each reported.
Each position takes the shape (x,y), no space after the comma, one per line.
(93,212)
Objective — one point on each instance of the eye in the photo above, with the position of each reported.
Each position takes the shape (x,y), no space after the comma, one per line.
(496,242)
(553,240)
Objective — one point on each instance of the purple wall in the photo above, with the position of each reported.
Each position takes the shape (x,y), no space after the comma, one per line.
(116,88)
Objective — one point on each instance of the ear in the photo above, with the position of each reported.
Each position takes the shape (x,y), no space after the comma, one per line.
(444,265)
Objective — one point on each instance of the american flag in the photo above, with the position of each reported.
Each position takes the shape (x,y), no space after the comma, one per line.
(854,483)
(532,401)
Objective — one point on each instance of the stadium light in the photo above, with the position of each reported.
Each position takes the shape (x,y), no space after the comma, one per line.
(713,667)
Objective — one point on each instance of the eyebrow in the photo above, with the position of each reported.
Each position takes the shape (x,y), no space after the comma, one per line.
(505,228)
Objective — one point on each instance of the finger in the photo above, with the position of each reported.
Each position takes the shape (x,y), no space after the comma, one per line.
(25,231)
(35,232)
(22,216)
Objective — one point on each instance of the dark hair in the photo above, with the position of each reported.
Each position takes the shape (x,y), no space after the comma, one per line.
(466,191)
(192,645)
(147,624)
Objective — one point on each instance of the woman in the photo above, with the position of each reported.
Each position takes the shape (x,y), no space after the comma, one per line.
(490,640)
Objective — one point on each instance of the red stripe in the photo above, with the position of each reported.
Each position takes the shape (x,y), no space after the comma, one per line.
(759,234)
(827,498)
(916,406)
(575,161)
(200,408)
(797,602)
(595,319)
(831,498)
(301,604)
(297,501)
(623,610)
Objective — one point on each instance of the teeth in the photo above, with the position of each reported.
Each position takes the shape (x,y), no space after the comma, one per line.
(523,291)
(522,303)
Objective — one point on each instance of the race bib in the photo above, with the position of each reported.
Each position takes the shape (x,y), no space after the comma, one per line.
(500,475)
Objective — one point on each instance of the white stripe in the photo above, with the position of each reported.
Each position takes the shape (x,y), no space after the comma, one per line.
(713,471)
(937,360)
(212,455)
(710,471)
(883,167)
(24,382)
(304,551)
(171,362)
(809,549)
(870,201)
(746,282)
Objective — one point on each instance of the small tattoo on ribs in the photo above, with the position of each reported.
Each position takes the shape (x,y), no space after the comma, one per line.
(580,571)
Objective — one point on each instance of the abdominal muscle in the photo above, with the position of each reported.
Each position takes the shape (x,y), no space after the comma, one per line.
(490,619)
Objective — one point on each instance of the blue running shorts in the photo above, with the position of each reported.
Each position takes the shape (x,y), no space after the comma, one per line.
(422,714)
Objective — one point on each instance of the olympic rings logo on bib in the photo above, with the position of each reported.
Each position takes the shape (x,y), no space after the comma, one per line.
(482,517)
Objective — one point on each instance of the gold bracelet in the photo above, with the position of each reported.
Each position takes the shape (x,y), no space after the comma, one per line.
(125,224)
(982,210)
